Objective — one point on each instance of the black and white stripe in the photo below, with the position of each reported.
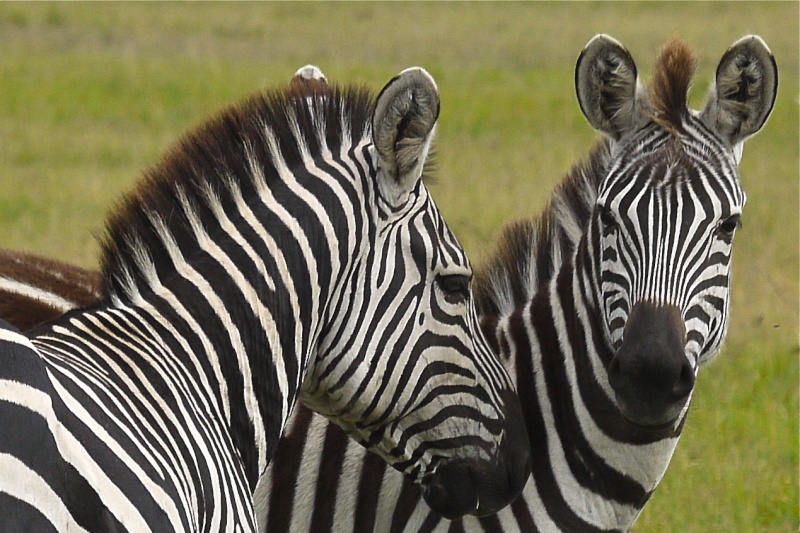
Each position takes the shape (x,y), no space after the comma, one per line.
(287,248)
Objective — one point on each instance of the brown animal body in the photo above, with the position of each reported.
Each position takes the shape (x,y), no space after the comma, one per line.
(35,289)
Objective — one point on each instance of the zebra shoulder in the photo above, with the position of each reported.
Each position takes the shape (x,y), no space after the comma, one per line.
(20,361)
(30,462)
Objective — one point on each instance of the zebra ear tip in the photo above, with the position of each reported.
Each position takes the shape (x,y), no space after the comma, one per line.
(602,40)
(307,78)
(309,72)
(752,41)
(412,91)
(419,76)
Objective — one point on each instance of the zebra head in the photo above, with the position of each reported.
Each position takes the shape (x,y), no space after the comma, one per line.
(403,366)
(666,213)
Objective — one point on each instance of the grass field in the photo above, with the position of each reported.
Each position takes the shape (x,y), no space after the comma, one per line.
(92,94)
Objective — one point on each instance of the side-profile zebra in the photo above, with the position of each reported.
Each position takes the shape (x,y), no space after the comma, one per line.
(287,248)
(594,465)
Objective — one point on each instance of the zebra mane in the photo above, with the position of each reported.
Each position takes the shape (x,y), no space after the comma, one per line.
(530,251)
(210,163)
(669,89)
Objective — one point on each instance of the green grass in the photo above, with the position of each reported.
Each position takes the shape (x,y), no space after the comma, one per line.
(92,94)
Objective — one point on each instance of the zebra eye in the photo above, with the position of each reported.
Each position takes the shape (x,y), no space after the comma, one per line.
(455,287)
(729,225)
(607,217)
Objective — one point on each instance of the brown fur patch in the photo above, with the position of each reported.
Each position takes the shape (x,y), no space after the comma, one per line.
(69,282)
(672,78)
(24,313)
(76,285)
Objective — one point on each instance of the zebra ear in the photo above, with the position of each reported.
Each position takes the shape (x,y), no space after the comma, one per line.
(606,82)
(402,128)
(744,91)
(308,76)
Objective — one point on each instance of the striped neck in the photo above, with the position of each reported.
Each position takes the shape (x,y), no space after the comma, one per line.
(243,320)
(593,469)
(245,231)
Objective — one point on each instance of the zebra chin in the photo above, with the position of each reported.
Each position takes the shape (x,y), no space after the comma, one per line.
(469,485)
(650,373)
(649,416)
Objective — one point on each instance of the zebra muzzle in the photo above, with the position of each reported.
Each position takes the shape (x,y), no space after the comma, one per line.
(650,374)
(476,486)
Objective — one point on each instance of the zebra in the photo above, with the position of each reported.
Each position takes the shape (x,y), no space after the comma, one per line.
(287,248)
(593,468)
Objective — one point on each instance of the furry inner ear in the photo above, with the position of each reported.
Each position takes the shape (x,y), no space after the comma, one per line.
(744,91)
(402,127)
(606,82)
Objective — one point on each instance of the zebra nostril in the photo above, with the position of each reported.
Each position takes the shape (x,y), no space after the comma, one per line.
(685,382)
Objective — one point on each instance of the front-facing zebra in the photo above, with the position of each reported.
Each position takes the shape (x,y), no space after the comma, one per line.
(287,248)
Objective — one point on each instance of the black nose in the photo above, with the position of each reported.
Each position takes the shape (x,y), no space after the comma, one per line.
(467,485)
(650,373)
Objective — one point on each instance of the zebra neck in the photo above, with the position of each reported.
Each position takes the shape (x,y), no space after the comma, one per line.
(258,343)
(245,272)
(251,320)
(592,468)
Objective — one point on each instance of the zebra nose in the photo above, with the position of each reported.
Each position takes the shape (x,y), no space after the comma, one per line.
(468,485)
(650,374)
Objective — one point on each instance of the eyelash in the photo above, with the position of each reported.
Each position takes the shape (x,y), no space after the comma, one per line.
(455,287)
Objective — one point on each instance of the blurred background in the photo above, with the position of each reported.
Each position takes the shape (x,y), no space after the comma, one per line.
(91,94)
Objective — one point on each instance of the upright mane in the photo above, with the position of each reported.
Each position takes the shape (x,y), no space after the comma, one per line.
(669,89)
(530,251)
(222,157)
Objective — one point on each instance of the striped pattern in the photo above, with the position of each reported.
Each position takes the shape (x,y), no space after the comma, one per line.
(266,258)
(663,252)
(592,469)
(556,298)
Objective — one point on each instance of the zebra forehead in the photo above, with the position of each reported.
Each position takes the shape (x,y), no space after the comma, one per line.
(676,162)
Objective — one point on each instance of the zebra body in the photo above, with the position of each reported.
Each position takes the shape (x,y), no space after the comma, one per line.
(34,289)
(288,248)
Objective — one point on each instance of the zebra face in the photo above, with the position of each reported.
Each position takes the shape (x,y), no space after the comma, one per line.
(662,229)
(666,222)
(403,366)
